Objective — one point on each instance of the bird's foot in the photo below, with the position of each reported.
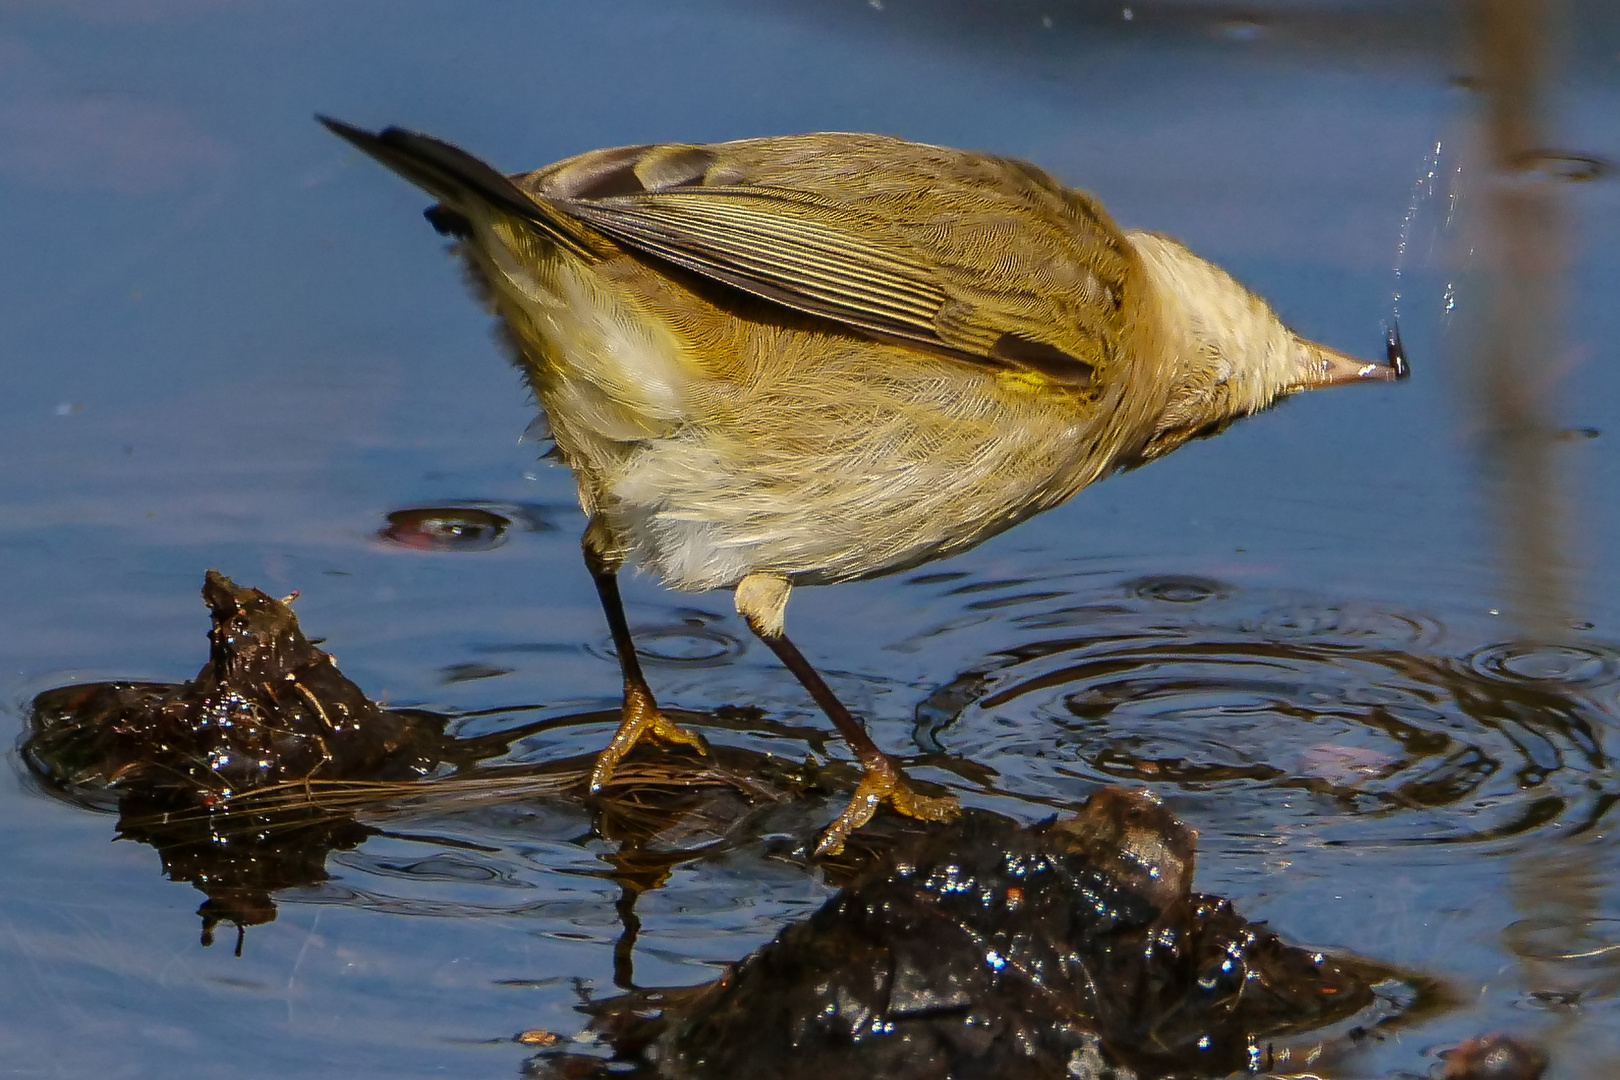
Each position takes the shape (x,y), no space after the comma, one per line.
(883,784)
(642,719)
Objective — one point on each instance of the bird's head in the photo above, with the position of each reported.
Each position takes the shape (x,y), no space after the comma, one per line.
(1232,356)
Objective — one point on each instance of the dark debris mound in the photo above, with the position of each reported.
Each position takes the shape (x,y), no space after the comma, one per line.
(1074,948)
(268,708)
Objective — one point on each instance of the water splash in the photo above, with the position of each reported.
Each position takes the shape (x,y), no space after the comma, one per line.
(1422,191)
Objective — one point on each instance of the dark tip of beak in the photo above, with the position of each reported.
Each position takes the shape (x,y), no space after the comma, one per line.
(1325,366)
(1396,352)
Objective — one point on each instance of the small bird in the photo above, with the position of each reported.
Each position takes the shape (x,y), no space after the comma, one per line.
(808,359)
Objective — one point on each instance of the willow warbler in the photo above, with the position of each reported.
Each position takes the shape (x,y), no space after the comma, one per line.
(817,358)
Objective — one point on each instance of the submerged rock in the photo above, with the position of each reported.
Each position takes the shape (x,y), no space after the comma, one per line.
(1073,948)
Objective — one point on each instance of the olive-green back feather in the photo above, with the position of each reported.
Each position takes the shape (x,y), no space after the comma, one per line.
(793,248)
(979,257)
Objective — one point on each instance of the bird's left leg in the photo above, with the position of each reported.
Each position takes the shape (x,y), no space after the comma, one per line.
(640,718)
(762,601)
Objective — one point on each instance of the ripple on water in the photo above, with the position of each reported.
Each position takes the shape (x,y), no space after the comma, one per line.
(1190,683)
(1176,589)
(1527,662)
(692,640)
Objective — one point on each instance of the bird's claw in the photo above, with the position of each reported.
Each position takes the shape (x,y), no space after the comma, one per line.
(878,786)
(642,719)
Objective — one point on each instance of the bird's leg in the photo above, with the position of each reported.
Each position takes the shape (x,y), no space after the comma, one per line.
(761,601)
(641,717)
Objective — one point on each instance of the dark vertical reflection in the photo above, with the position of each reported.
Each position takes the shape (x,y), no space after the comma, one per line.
(1519,353)
(1565,952)
(1520,358)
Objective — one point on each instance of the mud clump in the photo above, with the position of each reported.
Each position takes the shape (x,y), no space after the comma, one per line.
(1073,948)
(268,708)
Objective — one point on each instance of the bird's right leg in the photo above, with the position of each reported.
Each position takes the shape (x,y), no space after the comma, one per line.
(641,718)
(762,600)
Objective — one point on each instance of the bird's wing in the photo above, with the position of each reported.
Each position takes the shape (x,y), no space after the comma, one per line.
(784,246)
(982,258)
(1014,272)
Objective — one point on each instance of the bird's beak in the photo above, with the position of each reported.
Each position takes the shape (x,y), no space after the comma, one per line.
(1323,366)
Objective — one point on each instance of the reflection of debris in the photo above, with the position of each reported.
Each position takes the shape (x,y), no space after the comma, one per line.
(1073,948)
(1494,1057)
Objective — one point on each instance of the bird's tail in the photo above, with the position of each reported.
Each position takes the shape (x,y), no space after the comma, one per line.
(454,177)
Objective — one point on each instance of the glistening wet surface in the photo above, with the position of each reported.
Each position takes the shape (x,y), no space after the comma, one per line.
(231,342)
(1355,723)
